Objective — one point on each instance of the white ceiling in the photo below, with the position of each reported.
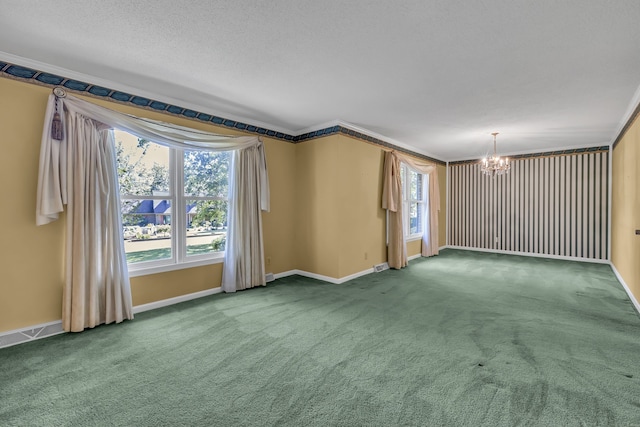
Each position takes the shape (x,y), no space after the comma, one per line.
(438,75)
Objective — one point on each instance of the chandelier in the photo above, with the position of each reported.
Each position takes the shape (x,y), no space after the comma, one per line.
(494,165)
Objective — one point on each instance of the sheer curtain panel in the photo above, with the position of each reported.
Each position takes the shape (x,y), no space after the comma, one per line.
(248,194)
(430,244)
(80,171)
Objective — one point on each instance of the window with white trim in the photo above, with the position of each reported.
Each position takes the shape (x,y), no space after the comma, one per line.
(174,202)
(413,198)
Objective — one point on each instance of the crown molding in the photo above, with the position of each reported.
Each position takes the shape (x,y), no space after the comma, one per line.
(564,151)
(313,128)
(532,153)
(364,131)
(388,140)
(97,81)
(633,111)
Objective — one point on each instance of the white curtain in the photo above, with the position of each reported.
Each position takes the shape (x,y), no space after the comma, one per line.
(83,163)
(63,165)
(244,238)
(424,215)
(430,245)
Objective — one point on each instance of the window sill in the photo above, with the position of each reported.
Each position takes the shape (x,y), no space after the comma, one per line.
(144,271)
(413,238)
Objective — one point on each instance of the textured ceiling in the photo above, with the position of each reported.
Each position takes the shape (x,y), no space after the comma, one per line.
(437,76)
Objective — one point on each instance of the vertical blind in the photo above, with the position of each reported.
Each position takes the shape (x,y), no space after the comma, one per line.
(556,205)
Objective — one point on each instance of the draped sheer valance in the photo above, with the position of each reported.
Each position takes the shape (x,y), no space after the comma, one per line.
(78,168)
(392,202)
(52,193)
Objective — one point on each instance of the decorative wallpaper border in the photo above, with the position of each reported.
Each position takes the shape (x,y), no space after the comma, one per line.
(601,149)
(46,79)
(364,137)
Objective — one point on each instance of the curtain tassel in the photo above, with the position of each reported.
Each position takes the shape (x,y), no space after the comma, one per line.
(57,131)
(56,126)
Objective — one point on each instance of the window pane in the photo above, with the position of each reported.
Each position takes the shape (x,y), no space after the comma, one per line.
(206,226)
(416,185)
(143,166)
(415,218)
(205,173)
(147,229)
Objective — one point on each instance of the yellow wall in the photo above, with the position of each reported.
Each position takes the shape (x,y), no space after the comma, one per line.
(160,286)
(414,247)
(325,213)
(625,208)
(30,256)
(279,234)
(341,227)
(361,219)
(316,225)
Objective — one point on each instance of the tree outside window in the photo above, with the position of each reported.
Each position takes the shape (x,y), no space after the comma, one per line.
(174,202)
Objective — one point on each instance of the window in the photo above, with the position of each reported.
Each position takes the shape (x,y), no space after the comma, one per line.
(174,202)
(413,198)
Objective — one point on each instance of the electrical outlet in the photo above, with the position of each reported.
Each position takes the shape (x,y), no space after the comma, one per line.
(268,260)
(366,255)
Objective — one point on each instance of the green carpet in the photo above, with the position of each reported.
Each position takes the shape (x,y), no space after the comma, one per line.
(462,339)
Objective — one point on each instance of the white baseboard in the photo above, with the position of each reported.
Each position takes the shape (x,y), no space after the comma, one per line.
(19,336)
(499,251)
(285,274)
(317,276)
(44,330)
(175,300)
(418,255)
(323,277)
(326,278)
(30,333)
(356,275)
(412,257)
(633,299)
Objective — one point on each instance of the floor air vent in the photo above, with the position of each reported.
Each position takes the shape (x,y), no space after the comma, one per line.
(380,267)
(269,277)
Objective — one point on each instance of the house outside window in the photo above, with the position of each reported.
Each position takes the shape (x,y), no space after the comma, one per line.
(174,202)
